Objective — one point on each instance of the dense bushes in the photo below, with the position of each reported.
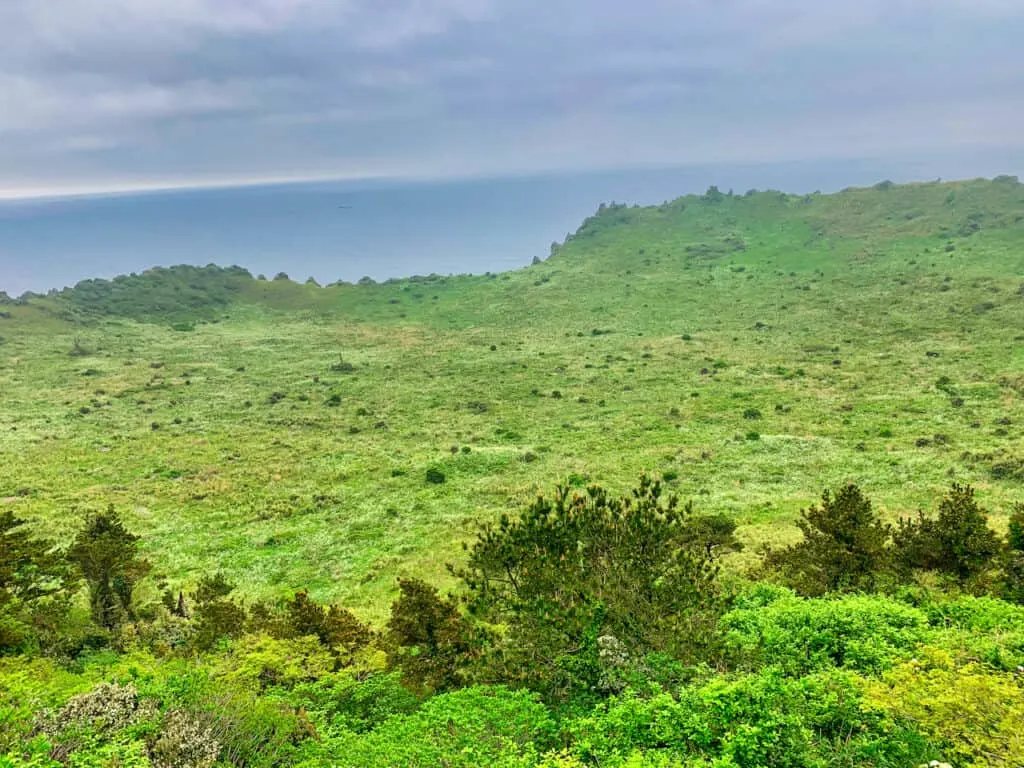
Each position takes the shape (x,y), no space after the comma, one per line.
(592,630)
(587,566)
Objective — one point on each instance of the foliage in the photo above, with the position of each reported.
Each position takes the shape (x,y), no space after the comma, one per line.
(463,729)
(581,567)
(105,551)
(184,292)
(345,701)
(977,714)
(758,720)
(433,642)
(184,742)
(262,661)
(215,614)
(863,633)
(958,542)
(32,577)
(844,547)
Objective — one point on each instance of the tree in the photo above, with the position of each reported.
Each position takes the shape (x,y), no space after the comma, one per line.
(844,547)
(958,542)
(432,641)
(1013,566)
(584,567)
(335,627)
(106,553)
(31,571)
(216,614)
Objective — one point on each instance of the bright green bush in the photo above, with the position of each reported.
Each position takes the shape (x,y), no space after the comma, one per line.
(344,702)
(799,635)
(473,727)
(747,722)
(977,714)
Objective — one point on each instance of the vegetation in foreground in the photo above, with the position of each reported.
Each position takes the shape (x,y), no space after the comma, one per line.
(222,477)
(592,630)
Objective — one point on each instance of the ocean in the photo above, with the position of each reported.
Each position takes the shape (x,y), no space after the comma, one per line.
(345,230)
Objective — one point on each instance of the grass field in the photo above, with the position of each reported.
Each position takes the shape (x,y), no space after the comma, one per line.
(752,349)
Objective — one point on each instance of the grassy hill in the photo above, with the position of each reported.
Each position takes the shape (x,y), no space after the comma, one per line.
(752,349)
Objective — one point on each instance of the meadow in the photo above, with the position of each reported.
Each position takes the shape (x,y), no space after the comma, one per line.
(651,502)
(750,349)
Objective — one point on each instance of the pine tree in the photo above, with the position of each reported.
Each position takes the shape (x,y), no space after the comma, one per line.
(844,547)
(106,553)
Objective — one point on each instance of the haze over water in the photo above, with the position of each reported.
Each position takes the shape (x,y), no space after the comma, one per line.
(345,230)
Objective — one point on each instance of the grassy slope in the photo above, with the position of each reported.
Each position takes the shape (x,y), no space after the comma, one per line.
(823,324)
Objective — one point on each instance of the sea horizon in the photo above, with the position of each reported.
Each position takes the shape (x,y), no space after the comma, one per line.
(382,227)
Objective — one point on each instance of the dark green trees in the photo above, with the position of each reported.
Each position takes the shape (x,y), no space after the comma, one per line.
(844,549)
(31,572)
(582,567)
(957,543)
(106,552)
(1013,567)
(432,641)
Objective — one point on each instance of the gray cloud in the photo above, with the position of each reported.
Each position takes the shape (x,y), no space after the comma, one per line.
(124,92)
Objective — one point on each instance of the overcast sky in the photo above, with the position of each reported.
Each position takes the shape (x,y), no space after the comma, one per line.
(108,94)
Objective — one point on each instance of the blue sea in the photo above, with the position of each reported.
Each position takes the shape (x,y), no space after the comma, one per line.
(345,230)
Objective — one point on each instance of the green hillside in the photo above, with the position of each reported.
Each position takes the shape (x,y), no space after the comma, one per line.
(287,452)
(755,348)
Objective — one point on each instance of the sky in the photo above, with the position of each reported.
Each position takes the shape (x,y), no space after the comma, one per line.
(104,95)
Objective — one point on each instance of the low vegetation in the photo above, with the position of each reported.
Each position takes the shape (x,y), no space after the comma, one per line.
(255,522)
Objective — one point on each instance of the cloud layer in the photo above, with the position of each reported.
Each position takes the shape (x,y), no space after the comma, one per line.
(118,93)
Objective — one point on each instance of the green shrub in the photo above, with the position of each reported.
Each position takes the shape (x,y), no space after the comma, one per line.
(975,713)
(799,635)
(753,721)
(957,543)
(435,476)
(347,701)
(469,728)
(585,566)
(844,547)
(432,641)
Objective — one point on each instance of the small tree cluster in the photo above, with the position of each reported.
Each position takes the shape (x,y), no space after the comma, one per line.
(847,548)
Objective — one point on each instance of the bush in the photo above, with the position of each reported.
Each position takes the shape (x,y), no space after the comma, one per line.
(184,742)
(957,543)
(345,701)
(435,476)
(581,567)
(470,728)
(432,641)
(844,548)
(977,714)
(799,635)
(758,720)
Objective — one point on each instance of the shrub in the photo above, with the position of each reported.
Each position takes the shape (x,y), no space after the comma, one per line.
(757,720)
(216,616)
(583,566)
(107,709)
(977,714)
(347,701)
(799,635)
(435,476)
(105,552)
(184,742)
(844,547)
(465,729)
(432,641)
(751,414)
(1013,567)
(958,542)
